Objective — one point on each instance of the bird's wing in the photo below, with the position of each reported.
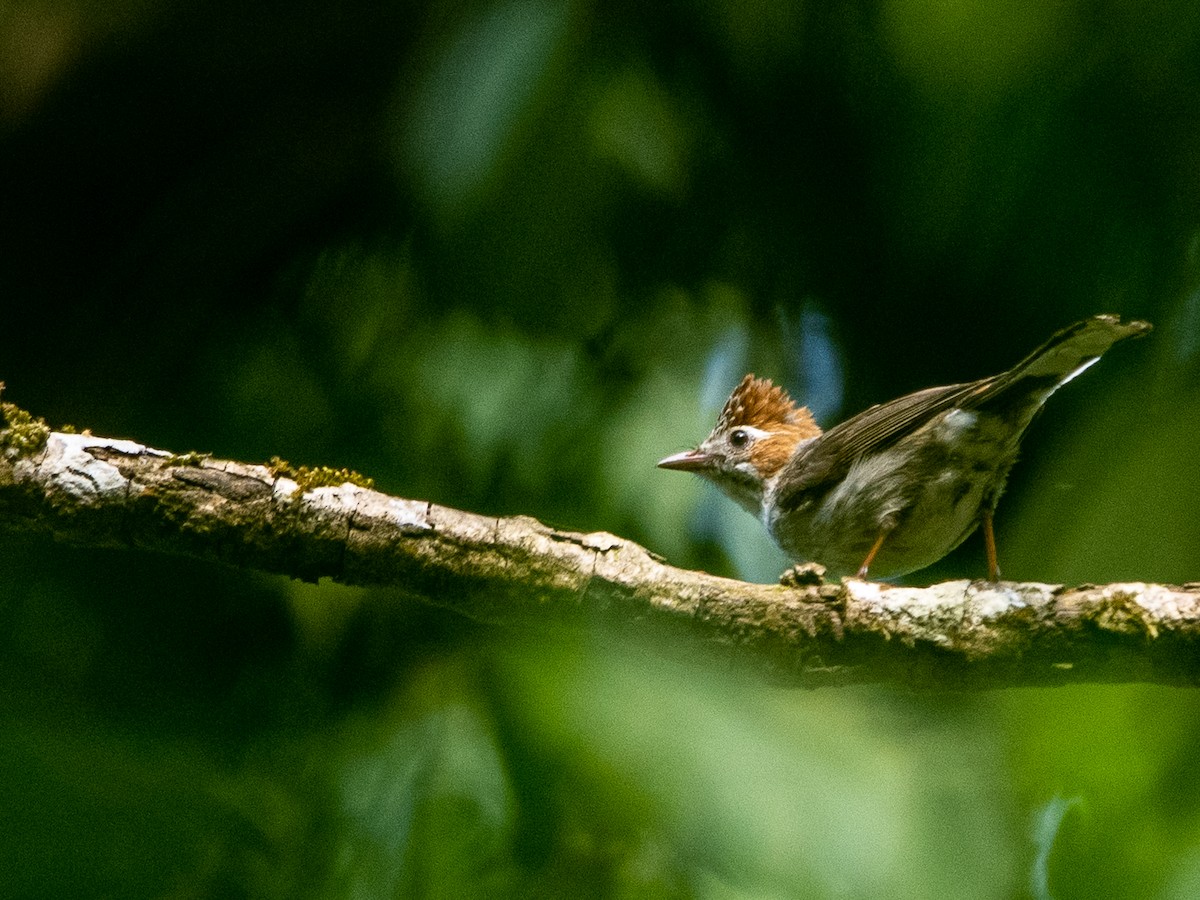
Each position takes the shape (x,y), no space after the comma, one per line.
(1026,385)
(830,456)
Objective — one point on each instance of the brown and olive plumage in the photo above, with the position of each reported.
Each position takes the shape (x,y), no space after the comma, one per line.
(900,485)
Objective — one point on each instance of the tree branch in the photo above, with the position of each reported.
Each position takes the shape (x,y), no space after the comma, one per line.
(111,493)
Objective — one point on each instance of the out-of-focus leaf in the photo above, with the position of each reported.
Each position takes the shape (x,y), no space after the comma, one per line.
(471,100)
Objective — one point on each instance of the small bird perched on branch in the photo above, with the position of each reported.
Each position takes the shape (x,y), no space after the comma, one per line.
(897,487)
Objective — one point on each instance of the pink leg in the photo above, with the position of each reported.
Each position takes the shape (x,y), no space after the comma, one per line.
(989,542)
(862,570)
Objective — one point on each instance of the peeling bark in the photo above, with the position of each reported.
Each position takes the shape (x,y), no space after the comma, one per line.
(957,635)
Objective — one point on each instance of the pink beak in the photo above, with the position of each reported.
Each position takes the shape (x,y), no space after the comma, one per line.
(687,461)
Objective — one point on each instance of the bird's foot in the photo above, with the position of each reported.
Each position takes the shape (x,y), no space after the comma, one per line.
(807,574)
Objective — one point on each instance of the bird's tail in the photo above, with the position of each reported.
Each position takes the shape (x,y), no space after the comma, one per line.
(1027,385)
(1076,347)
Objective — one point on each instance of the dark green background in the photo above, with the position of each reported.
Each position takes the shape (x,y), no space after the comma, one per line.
(504,257)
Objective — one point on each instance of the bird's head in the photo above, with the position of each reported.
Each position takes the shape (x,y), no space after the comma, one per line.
(758,430)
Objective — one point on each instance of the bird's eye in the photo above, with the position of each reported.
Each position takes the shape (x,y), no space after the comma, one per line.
(739,438)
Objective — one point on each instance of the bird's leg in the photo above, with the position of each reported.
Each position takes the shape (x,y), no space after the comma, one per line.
(866,563)
(989,543)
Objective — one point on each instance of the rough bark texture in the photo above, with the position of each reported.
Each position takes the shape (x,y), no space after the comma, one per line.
(111,493)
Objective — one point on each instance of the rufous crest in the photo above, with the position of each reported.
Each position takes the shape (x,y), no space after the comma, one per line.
(759,403)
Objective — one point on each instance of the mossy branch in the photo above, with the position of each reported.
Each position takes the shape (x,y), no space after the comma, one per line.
(316,523)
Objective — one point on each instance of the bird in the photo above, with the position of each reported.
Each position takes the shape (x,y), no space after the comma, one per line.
(898,486)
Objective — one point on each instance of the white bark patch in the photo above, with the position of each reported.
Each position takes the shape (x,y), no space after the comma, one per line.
(284,488)
(991,601)
(70,468)
(408,513)
(345,498)
(350,499)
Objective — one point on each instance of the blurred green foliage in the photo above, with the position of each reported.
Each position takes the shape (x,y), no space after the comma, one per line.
(504,256)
